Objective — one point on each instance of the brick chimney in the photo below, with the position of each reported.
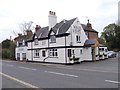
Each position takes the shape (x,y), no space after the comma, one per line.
(52,19)
(37,28)
(29,33)
(89,25)
(19,34)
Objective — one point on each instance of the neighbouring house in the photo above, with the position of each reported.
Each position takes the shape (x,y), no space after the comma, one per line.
(66,42)
(21,45)
(92,40)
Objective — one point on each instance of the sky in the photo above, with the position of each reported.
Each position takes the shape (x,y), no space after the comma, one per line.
(14,12)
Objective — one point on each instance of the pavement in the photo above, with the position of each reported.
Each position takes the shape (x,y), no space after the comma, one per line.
(99,74)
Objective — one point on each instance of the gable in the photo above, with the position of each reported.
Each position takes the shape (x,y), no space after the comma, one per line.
(88,30)
(35,37)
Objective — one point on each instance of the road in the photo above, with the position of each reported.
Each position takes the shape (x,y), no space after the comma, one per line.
(99,74)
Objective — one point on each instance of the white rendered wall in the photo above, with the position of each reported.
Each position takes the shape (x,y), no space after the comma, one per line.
(60,41)
(59,59)
(41,44)
(97,53)
(87,56)
(77,54)
(21,50)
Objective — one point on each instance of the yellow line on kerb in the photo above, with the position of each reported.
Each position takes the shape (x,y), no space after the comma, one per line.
(20,81)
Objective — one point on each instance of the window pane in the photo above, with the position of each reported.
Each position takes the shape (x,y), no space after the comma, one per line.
(77,38)
(73,51)
(102,49)
(56,54)
(24,55)
(53,39)
(55,49)
(36,41)
(80,51)
(52,53)
(69,53)
(43,53)
(18,56)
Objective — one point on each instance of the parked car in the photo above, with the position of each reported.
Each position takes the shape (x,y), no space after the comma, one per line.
(111,54)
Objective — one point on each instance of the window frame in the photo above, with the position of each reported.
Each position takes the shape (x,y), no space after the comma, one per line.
(36,42)
(52,39)
(36,53)
(53,52)
(18,56)
(81,51)
(78,39)
(20,43)
(24,54)
(69,52)
(43,53)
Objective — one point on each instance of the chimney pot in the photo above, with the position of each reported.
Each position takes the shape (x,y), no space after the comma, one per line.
(19,34)
(37,28)
(89,25)
(50,12)
(54,13)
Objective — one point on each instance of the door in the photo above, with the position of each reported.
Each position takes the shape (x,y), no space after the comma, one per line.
(93,54)
(23,56)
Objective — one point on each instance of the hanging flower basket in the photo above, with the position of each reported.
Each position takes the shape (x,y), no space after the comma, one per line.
(74,58)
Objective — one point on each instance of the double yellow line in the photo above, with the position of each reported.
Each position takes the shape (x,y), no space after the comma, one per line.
(20,81)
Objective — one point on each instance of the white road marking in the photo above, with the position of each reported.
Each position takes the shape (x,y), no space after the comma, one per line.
(116,82)
(9,65)
(23,67)
(34,69)
(27,68)
(8,61)
(96,70)
(93,70)
(61,74)
(19,81)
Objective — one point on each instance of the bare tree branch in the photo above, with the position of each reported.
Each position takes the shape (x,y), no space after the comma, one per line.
(26,26)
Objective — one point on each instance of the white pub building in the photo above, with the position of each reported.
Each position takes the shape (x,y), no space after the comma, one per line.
(64,42)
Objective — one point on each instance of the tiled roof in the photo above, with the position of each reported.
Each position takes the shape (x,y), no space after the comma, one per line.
(59,28)
(90,42)
(87,29)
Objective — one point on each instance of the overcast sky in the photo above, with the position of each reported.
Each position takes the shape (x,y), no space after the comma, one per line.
(14,12)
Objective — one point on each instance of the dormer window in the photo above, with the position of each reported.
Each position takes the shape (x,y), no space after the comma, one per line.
(36,42)
(52,39)
(20,43)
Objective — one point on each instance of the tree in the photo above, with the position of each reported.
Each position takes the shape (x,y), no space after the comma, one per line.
(8,49)
(6,44)
(111,36)
(26,26)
